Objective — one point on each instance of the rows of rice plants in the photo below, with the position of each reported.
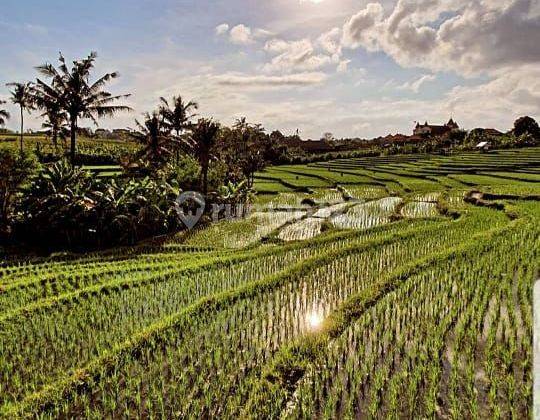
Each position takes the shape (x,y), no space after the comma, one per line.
(367,215)
(419,209)
(415,317)
(94,319)
(281,200)
(302,230)
(385,354)
(361,192)
(268,186)
(344,272)
(244,232)
(456,346)
(327,196)
(298,180)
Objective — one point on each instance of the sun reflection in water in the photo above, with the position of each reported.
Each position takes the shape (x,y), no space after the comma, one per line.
(314,320)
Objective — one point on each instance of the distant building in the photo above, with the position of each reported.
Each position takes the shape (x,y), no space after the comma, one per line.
(428,130)
(484,146)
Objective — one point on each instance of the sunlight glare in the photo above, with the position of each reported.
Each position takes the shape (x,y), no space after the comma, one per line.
(314,320)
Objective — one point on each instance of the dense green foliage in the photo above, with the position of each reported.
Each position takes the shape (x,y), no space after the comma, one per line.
(65,206)
(15,171)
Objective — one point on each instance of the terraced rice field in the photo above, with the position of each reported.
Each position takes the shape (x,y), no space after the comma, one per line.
(391,287)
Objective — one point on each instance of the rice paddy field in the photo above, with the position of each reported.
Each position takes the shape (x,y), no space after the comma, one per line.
(389,287)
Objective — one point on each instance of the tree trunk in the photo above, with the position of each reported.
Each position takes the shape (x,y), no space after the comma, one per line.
(177,147)
(204,169)
(73,135)
(22,129)
(55,139)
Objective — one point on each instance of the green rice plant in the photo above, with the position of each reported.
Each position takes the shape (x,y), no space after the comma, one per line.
(419,209)
(243,232)
(367,215)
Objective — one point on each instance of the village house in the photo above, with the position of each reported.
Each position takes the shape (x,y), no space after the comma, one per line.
(428,130)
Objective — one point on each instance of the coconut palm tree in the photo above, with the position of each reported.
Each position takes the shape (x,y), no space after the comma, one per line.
(57,121)
(56,125)
(202,142)
(158,143)
(4,115)
(77,96)
(178,118)
(21,96)
(154,134)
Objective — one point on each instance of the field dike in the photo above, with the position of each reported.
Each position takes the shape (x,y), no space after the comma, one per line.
(83,378)
(280,376)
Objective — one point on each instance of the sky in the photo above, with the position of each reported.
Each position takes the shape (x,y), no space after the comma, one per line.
(350,67)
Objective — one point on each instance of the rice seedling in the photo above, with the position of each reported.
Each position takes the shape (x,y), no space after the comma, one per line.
(367,215)
(419,209)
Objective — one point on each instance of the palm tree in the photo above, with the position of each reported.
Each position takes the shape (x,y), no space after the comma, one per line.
(178,118)
(249,148)
(57,119)
(4,115)
(154,134)
(56,125)
(21,95)
(202,142)
(72,90)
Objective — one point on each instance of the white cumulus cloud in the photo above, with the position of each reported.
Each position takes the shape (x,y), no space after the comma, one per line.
(469,37)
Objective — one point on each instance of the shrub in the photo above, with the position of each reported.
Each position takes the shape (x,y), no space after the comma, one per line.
(67,207)
(186,173)
(15,171)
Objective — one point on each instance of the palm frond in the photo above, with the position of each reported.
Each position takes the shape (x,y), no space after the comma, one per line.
(97,85)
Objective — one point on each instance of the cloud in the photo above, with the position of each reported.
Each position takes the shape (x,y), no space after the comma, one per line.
(469,37)
(416,84)
(343,66)
(358,31)
(299,79)
(222,29)
(330,41)
(294,56)
(242,34)
(497,103)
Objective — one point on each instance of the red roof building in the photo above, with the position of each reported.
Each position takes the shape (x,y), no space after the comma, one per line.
(428,130)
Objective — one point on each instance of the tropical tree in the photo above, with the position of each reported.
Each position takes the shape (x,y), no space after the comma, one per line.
(178,117)
(526,125)
(77,96)
(56,125)
(57,121)
(252,144)
(15,171)
(155,136)
(202,143)
(21,96)
(4,115)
